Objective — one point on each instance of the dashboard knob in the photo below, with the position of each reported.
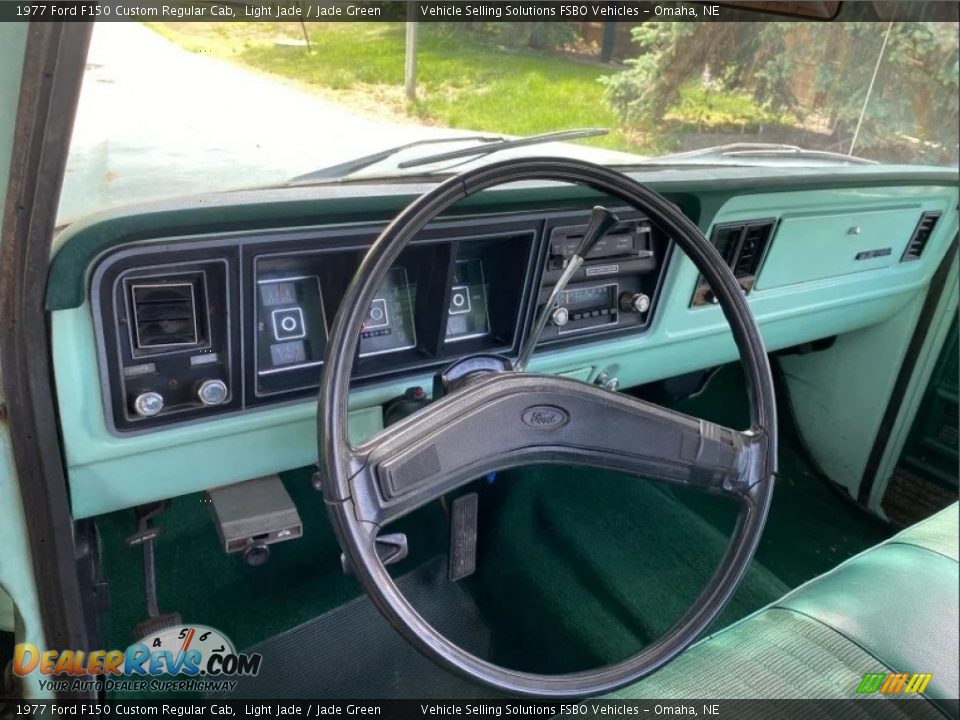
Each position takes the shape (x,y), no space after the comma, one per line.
(634,302)
(560,316)
(148,404)
(212,392)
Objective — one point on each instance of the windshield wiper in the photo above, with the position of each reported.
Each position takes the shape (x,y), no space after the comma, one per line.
(745,150)
(486,144)
(351,166)
(503,144)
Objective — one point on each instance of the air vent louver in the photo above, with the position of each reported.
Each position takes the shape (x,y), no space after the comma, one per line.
(922,233)
(726,238)
(164,314)
(752,248)
(742,245)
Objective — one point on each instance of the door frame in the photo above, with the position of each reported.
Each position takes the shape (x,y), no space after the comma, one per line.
(53,67)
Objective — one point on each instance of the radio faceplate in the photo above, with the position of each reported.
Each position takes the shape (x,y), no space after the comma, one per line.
(588,307)
(615,288)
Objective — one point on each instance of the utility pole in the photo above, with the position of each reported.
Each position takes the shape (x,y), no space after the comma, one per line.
(410,66)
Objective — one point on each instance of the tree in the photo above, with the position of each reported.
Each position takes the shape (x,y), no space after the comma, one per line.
(818,73)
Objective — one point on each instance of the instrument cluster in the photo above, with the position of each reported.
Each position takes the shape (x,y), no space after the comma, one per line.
(190,329)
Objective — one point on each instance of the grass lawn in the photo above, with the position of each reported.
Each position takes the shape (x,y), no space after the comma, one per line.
(465,81)
(700,107)
(462,82)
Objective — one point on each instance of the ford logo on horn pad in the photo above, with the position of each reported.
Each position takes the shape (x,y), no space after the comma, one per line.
(545,417)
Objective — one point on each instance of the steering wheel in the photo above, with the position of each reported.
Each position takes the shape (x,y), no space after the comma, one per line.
(506,419)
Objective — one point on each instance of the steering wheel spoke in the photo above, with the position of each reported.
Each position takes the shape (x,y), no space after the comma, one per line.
(510,419)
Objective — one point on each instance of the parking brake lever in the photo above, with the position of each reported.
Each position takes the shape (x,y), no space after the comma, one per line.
(601,222)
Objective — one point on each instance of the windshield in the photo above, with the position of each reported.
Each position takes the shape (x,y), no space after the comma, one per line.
(178,108)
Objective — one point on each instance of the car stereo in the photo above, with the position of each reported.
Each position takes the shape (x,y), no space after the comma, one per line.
(616,286)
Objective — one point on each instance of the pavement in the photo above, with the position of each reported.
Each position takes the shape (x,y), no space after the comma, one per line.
(156,121)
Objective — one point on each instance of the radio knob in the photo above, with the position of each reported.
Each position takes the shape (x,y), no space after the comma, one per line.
(212,392)
(634,302)
(560,316)
(148,404)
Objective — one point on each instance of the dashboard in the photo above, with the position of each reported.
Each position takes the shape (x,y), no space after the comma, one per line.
(188,337)
(190,331)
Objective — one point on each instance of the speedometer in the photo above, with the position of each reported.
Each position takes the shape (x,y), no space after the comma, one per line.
(467,315)
(389,324)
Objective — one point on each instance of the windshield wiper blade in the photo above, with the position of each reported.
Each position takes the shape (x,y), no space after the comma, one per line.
(503,144)
(741,150)
(351,166)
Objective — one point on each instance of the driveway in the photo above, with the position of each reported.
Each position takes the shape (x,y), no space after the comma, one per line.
(157,121)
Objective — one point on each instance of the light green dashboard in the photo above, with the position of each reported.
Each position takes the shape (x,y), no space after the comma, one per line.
(809,288)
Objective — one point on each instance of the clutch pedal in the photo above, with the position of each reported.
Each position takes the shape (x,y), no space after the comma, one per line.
(144,537)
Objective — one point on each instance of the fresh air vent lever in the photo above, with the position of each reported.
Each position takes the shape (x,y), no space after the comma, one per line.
(601,222)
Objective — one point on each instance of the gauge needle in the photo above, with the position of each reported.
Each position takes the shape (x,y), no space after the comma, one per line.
(185,646)
(187,639)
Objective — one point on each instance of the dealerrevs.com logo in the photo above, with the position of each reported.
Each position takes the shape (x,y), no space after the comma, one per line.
(187,658)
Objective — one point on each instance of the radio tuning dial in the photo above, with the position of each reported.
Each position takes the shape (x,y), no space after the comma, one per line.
(634,302)
(560,316)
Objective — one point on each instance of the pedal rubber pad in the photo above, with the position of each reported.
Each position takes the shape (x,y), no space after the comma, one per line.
(463,536)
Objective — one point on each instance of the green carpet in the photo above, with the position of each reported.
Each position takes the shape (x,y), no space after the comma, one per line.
(196,578)
(577,567)
(581,567)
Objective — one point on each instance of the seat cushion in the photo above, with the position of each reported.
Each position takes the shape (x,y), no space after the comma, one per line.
(774,653)
(937,534)
(894,602)
(893,608)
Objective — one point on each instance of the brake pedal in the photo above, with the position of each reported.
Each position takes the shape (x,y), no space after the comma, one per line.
(463,536)
(144,537)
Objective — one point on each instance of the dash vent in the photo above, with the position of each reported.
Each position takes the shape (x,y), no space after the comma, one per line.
(922,233)
(743,246)
(164,313)
(752,248)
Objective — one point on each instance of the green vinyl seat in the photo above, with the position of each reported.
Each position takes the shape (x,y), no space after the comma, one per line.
(891,609)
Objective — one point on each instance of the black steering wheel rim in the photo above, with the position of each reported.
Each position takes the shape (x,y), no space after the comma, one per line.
(341,464)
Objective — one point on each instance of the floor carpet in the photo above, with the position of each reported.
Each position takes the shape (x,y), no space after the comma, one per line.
(576,567)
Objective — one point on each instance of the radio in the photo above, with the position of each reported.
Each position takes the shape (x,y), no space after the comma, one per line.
(579,308)
(614,289)
(587,307)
